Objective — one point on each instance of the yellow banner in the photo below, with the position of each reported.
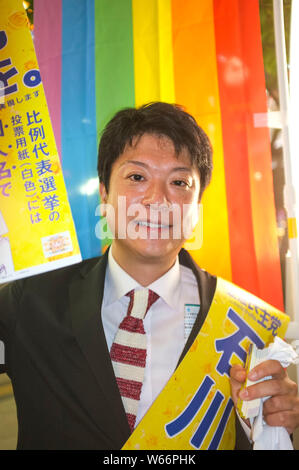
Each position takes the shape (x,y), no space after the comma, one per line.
(37,232)
(195,410)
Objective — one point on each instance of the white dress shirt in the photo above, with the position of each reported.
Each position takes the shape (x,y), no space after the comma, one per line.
(167,323)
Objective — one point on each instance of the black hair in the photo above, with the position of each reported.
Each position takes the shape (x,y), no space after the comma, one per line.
(162,119)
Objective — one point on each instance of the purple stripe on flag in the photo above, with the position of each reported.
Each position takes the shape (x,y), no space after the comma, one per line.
(47,41)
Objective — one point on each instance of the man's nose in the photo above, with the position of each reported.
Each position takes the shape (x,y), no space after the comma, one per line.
(156,193)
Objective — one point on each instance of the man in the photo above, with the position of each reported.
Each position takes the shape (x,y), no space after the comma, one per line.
(61,329)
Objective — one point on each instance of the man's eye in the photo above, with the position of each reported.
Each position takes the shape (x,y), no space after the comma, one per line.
(180,183)
(136,177)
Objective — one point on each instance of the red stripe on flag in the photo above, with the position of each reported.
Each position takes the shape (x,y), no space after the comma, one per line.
(233,112)
(249,182)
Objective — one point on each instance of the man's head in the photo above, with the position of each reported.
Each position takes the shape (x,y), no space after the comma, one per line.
(154,164)
(161,119)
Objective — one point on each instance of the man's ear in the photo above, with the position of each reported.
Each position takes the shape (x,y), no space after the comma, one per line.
(103,193)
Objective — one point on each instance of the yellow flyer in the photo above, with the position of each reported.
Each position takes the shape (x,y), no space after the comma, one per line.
(195,410)
(37,231)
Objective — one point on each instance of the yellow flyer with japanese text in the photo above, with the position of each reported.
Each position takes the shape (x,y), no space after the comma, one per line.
(195,409)
(37,231)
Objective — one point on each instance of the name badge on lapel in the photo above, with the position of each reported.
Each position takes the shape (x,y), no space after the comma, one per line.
(190,314)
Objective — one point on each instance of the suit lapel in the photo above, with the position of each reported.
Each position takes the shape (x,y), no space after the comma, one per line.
(206,287)
(86,296)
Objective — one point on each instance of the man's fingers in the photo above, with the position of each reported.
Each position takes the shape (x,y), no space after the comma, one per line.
(238,373)
(264,369)
(288,419)
(237,377)
(271,380)
(267,368)
(280,403)
(270,388)
(282,410)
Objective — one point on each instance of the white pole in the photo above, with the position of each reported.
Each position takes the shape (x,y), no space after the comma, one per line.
(292,280)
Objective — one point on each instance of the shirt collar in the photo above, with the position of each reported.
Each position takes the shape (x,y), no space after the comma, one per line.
(118,283)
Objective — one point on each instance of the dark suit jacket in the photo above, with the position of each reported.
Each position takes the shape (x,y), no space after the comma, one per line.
(58,361)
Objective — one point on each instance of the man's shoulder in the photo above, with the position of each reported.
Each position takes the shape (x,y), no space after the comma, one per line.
(57,277)
(67,272)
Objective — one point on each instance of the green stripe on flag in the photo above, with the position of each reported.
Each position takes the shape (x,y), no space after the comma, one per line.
(114,58)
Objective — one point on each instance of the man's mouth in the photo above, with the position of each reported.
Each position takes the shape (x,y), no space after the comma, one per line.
(151,224)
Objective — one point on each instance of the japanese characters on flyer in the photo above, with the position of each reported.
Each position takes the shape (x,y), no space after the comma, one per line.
(37,232)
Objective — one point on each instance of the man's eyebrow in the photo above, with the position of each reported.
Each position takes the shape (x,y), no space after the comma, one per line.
(182,168)
(145,165)
(135,162)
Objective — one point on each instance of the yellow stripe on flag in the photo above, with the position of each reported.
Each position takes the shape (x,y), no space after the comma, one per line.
(153,57)
(165,51)
(146,47)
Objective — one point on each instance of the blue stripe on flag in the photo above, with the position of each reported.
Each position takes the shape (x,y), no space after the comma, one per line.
(78,120)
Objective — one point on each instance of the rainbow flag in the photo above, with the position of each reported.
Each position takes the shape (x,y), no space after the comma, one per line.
(97,56)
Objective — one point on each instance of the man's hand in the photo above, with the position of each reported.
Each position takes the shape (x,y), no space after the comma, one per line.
(282,408)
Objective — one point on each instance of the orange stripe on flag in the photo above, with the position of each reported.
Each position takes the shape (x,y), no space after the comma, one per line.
(196,87)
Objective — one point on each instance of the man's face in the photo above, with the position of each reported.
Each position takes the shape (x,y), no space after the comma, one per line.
(154,195)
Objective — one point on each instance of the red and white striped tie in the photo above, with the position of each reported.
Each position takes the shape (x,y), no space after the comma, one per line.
(128,352)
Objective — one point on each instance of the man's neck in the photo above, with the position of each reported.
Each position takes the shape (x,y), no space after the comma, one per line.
(144,270)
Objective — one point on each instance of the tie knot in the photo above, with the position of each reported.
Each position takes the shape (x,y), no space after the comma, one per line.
(140,302)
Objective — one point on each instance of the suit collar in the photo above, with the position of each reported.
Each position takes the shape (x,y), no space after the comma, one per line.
(119,282)
(86,292)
